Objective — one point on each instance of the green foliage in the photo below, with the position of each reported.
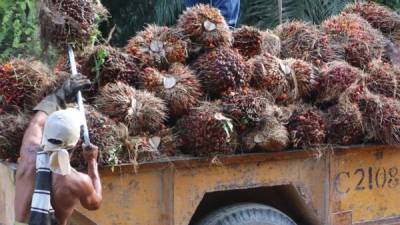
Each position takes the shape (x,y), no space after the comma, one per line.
(394,4)
(101,57)
(18,30)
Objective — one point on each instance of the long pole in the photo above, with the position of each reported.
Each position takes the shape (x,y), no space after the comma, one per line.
(74,72)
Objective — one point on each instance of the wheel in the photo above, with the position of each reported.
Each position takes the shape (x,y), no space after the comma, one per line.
(247,214)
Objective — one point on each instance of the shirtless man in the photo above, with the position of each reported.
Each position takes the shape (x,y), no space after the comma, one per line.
(66,191)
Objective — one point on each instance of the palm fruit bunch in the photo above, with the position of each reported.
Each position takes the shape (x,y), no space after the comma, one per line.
(271,43)
(248,40)
(302,40)
(383,79)
(381,117)
(140,110)
(205,26)
(177,86)
(221,70)
(206,131)
(361,42)
(302,79)
(247,107)
(105,64)
(269,74)
(379,16)
(306,127)
(23,83)
(334,80)
(158,46)
(12,128)
(345,124)
(74,22)
(269,135)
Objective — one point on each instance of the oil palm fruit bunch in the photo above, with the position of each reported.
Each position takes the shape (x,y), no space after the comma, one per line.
(271,43)
(345,124)
(105,64)
(248,40)
(177,86)
(206,131)
(381,117)
(158,46)
(269,135)
(205,26)
(306,127)
(302,79)
(140,110)
(383,79)
(302,40)
(220,70)
(74,22)
(12,128)
(361,42)
(334,80)
(23,83)
(247,107)
(379,16)
(269,74)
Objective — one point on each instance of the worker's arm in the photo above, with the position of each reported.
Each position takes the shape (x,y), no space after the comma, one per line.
(92,193)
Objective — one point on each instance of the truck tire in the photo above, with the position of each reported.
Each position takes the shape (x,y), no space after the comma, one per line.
(247,214)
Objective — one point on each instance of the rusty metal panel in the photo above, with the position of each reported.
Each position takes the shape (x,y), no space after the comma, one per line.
(366,181)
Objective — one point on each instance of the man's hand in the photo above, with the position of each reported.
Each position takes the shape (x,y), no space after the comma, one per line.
(90,153)
(63,95)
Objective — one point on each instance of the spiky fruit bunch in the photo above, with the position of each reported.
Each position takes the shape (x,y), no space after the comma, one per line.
(205,131)
(271,43)
(205,26)
(345,124)
(302,40)
(361,42)
(269,74)
(64,22)
(158,46)
(306,127)
(334,80)
(23,83)
(302,79)
(270,135)
(220,70)
(383,79)
(106,64)
(247,107)
(178,87)
(248,40)
(379,16)
(12,128)
(141,111)
(381,117)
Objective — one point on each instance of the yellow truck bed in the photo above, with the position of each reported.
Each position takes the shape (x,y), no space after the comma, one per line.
(337,186)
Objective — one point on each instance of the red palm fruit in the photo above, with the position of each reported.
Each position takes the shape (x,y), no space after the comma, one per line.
(23,83)
(334,80)
(302,40)
(177,86)
(344,124)
(248,40)
(306,127)
(141,111)
(220,70)
(206,131)
(271,43)
(361,42)
(302,79)
(269,74)
(379,16)
(205,26)
(383,79)
(74,22)
(158,46)
(12,128)
(270,135)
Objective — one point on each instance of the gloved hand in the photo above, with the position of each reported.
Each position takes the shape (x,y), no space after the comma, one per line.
(64,95)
